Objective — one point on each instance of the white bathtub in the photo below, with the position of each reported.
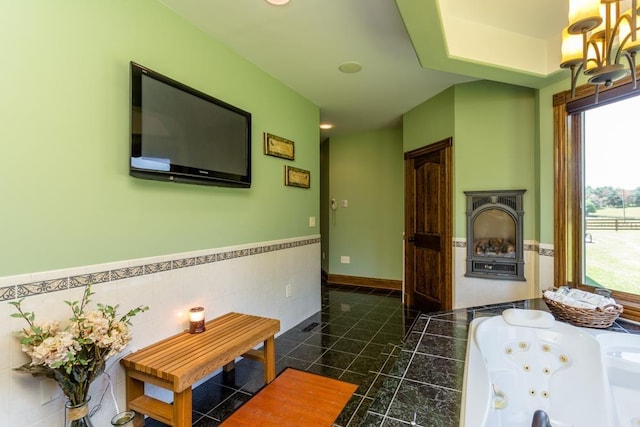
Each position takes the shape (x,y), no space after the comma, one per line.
(580,377)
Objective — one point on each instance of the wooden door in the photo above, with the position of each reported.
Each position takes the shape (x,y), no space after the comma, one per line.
(429,227)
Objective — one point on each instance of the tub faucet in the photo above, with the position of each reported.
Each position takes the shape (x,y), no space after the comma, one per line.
(540,419)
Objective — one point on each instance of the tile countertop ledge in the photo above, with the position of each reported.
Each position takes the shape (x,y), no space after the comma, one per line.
(425,383)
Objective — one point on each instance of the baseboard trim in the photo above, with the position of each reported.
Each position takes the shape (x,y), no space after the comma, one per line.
(369,282)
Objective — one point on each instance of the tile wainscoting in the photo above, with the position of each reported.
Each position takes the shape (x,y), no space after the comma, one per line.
(249,278)
(470,291)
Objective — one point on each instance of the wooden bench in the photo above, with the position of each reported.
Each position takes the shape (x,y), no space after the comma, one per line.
(177,362)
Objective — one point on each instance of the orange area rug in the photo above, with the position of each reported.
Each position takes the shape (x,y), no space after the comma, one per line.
(295,398)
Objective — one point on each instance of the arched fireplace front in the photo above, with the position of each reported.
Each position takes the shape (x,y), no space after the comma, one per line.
(495,245)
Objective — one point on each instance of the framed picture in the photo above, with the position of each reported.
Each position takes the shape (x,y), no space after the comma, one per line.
(279,147)
(295,177)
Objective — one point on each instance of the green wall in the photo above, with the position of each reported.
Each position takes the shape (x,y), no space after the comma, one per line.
(493,126)
(67,197)
(495,146)
(366,170)
(502,140)
(429,122)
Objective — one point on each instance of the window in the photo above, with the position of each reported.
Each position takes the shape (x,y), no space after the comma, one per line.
(597,194)
(611,201)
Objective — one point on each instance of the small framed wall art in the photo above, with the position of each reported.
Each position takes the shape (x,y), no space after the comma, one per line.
(279,147)
(295,177)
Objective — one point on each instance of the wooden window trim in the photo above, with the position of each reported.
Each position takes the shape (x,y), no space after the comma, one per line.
(568,165)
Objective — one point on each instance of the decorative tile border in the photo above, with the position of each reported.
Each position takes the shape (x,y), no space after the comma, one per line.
(533,247)
(547,252)
(21,290)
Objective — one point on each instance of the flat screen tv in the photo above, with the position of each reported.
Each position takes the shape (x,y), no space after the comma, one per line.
(180,134)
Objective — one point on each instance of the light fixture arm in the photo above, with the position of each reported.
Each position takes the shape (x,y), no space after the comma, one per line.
(631,58)
(621,43)
(634,19)
(575,72)
(608,37)
(599,59)
(620,50)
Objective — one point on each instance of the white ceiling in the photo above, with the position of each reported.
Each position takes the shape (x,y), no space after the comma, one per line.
(303,43)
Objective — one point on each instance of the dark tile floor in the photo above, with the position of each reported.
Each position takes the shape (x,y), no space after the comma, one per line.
(409,367)
(355,337)
(424,387)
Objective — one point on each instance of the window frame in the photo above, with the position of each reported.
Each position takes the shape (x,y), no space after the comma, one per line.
(568,170)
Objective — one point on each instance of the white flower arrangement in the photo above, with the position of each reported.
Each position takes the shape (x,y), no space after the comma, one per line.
(74,353)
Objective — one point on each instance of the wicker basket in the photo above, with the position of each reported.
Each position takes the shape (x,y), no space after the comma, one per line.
(589,318)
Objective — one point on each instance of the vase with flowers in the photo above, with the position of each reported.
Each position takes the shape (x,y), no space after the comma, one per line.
(73,353)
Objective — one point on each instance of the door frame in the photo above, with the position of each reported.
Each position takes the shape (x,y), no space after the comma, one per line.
(445,148)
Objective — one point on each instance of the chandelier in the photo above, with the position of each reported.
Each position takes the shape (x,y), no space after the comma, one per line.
(599,40)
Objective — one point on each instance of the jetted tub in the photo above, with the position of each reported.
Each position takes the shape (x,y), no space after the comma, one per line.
(525,361)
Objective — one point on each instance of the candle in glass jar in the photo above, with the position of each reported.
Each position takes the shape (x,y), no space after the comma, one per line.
(196,320)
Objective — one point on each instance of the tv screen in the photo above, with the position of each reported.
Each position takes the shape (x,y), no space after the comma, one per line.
(180,134)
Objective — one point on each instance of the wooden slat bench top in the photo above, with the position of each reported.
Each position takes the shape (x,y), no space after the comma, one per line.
(185,358)
(177,362)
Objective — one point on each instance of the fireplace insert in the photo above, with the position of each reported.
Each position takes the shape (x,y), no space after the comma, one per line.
(495,246)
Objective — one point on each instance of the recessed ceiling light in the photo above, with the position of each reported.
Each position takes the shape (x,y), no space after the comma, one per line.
(278,2)
(326,126)
(350,67)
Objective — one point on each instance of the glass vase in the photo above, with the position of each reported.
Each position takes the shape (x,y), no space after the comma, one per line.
(123,419)
(78,415)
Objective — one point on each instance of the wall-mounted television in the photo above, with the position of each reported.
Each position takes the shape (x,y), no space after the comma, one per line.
(180,134)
